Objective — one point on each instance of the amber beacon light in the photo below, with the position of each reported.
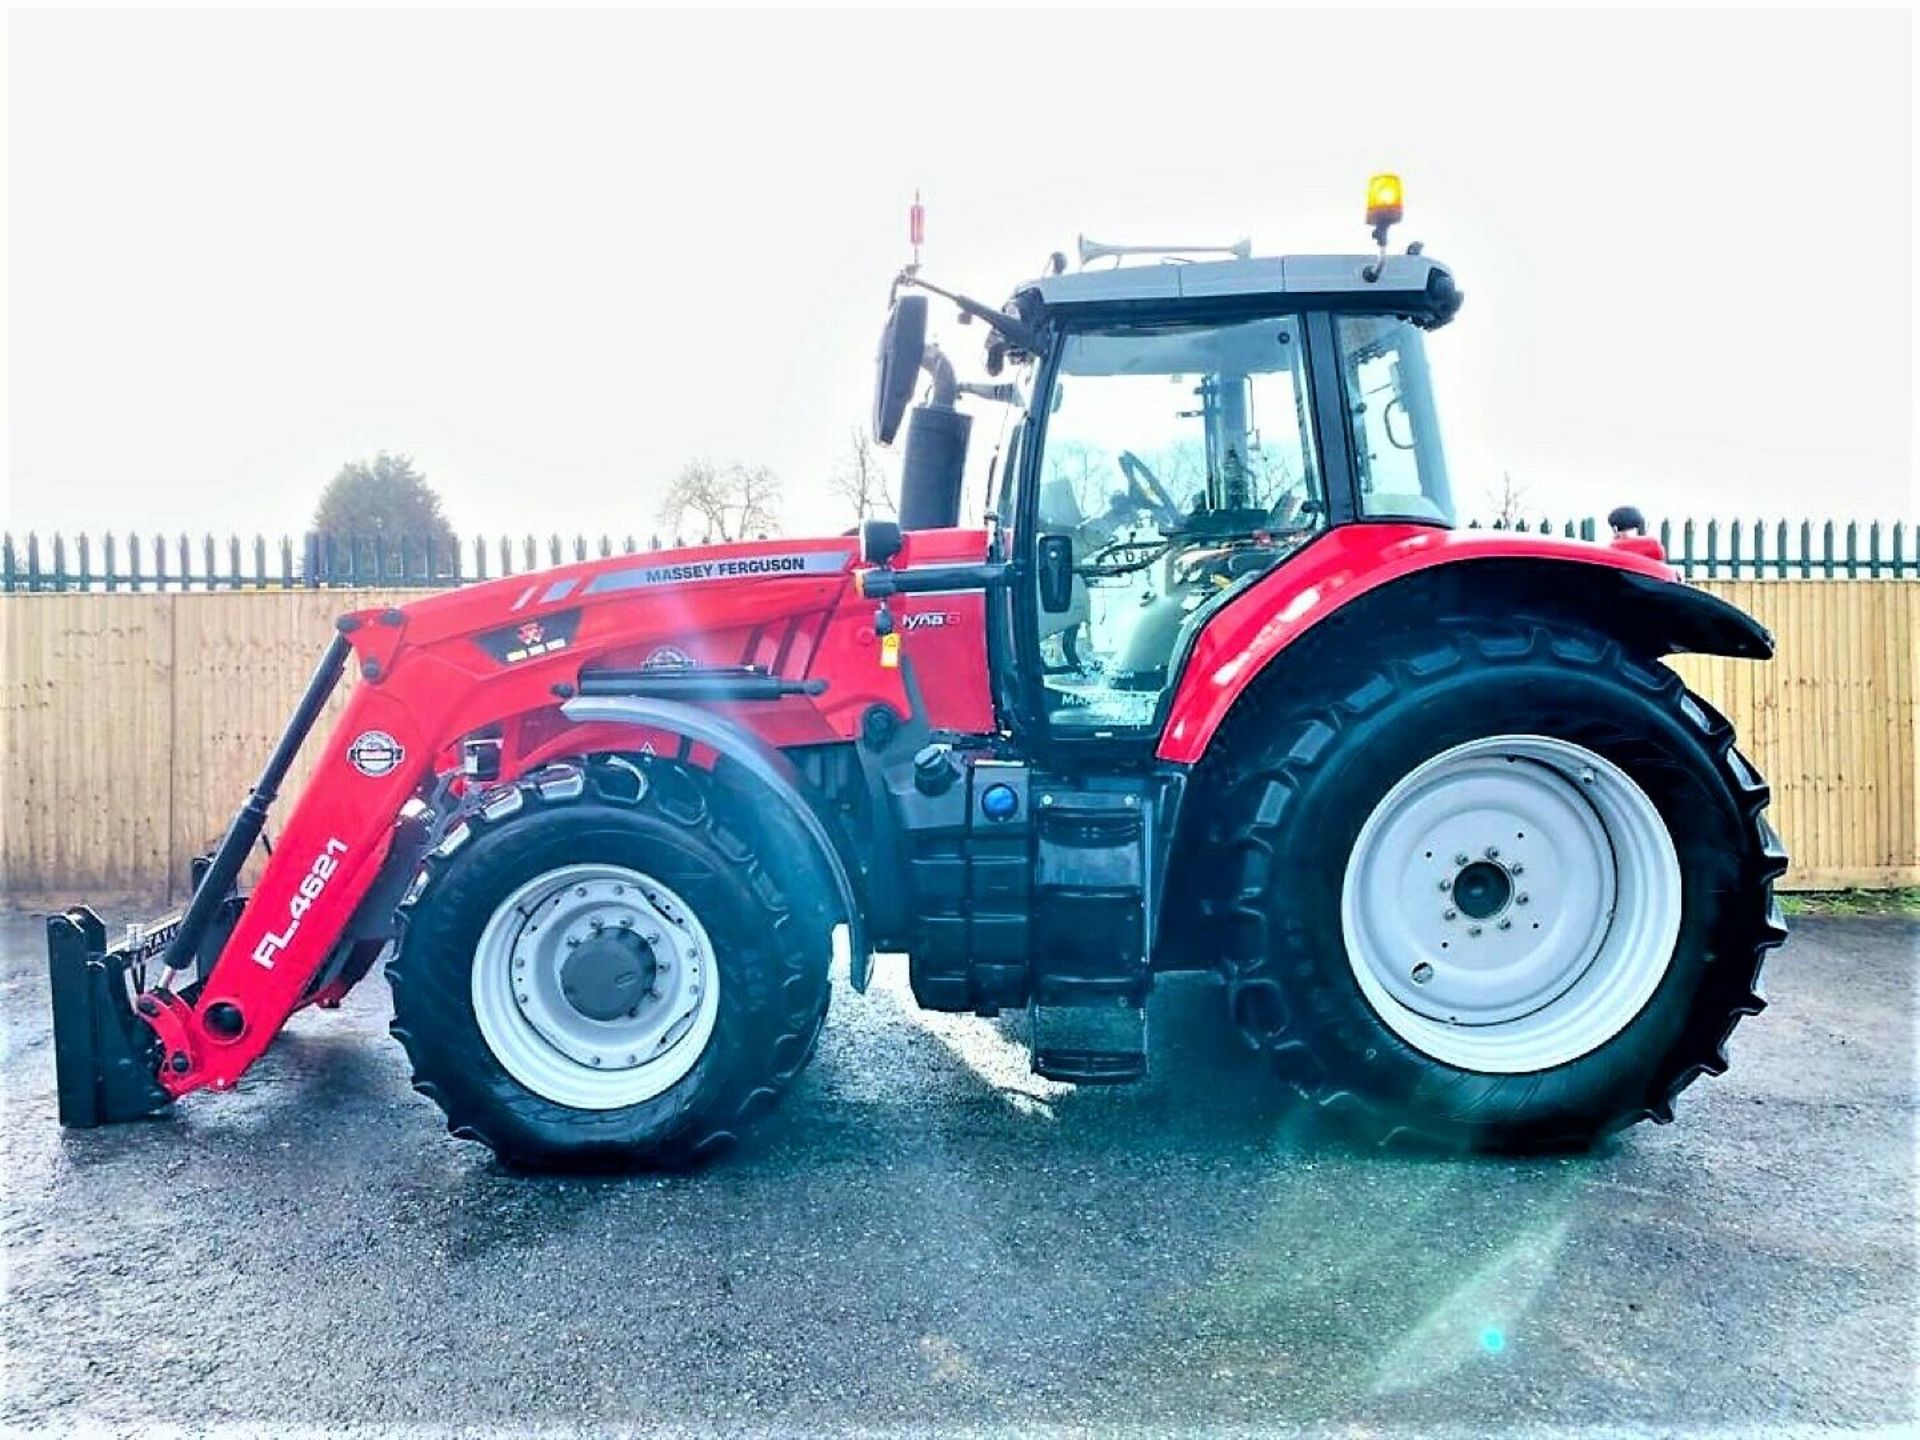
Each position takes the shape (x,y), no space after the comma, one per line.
(1383,200)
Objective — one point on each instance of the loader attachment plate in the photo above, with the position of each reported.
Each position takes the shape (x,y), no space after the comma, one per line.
(106,1058)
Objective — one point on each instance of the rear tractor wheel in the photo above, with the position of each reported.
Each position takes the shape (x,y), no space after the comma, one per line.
(600,966)
(1510,886)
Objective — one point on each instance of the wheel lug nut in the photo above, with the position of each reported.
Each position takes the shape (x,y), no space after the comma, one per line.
(1493,852)
(1517,868)
(1506,924)
(1422,973)
(1461,858)
(1473,929)
(1446,884)
(1521,898)
(1449,914)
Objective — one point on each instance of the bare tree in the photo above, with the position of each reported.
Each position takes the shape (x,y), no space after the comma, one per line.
(1509,502)
(861,481)
(733,502)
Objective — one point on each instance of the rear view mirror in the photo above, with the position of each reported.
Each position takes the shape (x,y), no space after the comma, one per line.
(897,366)
(1056,573)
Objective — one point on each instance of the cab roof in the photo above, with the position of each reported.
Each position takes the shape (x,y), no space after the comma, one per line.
(1409,283)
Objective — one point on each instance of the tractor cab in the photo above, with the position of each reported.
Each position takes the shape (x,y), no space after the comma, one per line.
(1186,425)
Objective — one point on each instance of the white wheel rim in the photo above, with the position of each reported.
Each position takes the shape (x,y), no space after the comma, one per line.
(1511,904)
(542,1039)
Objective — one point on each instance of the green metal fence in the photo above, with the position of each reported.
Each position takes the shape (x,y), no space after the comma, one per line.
(1701,549)
(312,562)
(1766,550)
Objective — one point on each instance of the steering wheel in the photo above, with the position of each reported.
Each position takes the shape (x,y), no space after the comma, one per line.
(1144,482)
(1121,556)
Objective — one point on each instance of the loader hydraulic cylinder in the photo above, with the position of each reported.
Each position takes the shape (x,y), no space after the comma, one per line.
(224,869)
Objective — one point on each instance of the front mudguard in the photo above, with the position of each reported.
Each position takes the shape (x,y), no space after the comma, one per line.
(767,766)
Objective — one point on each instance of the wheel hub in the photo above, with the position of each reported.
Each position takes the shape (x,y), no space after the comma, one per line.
(1482,889)
(609,976)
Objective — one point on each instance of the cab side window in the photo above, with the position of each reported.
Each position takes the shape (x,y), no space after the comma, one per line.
(1395,431)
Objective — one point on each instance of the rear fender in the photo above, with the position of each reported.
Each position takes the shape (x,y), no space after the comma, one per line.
(768,767)
(1361,582)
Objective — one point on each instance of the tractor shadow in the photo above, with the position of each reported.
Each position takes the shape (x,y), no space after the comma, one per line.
(1206,1092)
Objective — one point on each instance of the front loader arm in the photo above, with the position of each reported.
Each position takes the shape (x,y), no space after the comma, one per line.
(505,655)
(115,1063)
(327,857)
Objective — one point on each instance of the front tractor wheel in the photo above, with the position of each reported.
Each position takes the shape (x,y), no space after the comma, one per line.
(1510,886)
(605,965)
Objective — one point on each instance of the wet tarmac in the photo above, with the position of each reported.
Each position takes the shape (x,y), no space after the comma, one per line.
(928,1238)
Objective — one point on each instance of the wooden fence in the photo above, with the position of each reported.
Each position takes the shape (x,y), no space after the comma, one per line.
(131,725)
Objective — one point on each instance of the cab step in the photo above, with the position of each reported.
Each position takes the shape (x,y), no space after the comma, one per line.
(1089,1044)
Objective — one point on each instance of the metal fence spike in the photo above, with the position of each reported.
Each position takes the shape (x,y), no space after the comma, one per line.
(1753,549)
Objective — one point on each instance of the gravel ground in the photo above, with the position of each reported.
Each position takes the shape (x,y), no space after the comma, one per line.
(928,1238)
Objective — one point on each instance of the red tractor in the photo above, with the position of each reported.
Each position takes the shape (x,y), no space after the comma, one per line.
(1217,686)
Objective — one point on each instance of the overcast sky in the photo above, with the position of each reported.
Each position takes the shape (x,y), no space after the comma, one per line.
(554,256)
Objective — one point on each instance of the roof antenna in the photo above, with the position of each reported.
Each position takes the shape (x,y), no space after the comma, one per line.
(916,231)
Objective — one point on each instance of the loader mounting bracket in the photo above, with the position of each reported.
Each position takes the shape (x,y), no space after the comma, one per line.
(104,1055)
(108,1029)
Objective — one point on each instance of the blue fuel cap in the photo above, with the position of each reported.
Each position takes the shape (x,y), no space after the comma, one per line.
(999,802)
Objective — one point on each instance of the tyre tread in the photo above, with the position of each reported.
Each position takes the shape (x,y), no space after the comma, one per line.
(792,923)
(1267,755)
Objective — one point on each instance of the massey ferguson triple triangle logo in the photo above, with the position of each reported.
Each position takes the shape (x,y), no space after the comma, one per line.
(530,638)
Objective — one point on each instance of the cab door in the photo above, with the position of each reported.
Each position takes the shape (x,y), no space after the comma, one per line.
(1182,462)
